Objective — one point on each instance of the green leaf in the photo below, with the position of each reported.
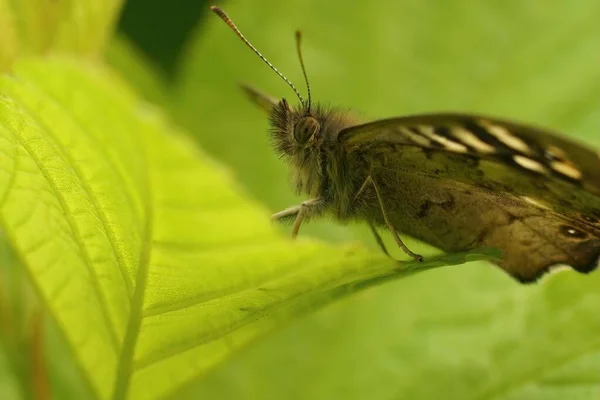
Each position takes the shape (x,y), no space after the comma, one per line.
(152,265)
(41,26)
(452,333)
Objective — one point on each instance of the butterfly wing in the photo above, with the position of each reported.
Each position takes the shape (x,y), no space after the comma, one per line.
(460,182)
(488,138)
(262,100)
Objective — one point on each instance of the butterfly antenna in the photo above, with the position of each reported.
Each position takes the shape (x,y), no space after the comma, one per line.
(234,28)
(298,47)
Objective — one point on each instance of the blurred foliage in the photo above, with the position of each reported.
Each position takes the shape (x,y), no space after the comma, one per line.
(123,55)
(36,27)
(160,28)
(454,333)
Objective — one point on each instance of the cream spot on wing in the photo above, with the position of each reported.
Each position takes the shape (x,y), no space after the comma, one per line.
(504,135)
(530,164)
(566,169)
(447,143)
(417,139)
(534,202)
(470,139)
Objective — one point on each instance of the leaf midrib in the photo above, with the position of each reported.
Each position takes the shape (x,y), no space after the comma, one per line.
(124,367)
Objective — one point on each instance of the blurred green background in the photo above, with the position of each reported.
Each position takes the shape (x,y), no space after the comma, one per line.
(455,333)
(160,29)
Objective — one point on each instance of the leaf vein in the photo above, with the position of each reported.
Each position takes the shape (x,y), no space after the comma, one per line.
(100,211)
(76,237)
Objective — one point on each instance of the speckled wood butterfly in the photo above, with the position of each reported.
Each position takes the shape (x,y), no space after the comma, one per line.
(455,181)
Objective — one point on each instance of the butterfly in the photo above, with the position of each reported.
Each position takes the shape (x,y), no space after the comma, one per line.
(455,181)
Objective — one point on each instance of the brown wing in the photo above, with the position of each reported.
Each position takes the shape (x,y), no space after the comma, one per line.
(455,216)
(522,146)
(262,100)
(449,189)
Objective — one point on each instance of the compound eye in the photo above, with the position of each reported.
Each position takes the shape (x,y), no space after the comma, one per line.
(305,129)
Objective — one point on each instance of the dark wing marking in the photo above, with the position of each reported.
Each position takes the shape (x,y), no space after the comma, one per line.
(525,147)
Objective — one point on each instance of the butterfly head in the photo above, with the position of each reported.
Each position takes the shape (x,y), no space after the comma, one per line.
(294,130)
(305,139)
(298,130)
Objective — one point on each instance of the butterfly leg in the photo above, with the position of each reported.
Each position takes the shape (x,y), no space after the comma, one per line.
(307,208)
(376,235)
(379,240)
(389,224)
